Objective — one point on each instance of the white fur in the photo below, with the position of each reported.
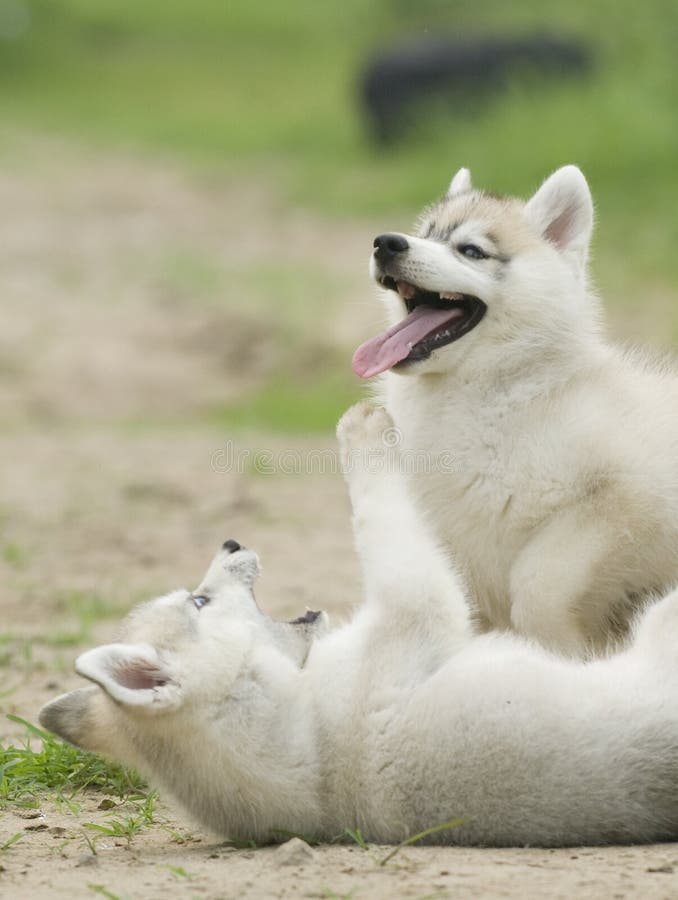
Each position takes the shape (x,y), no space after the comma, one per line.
(561,510)
(460,183)
(398,721)
(562,212)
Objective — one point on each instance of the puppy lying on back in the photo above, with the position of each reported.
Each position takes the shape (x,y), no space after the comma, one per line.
(398,721)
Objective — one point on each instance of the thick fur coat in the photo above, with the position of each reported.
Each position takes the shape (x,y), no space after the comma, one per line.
(400,720)
(548,458)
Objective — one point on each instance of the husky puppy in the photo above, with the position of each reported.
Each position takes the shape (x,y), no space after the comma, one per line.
(558,499)
(401,720)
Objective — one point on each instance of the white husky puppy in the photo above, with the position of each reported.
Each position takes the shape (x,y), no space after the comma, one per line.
(551,459)
(401,720)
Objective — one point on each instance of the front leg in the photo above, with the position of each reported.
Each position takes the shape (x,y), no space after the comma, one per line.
(404,571)
(568,582)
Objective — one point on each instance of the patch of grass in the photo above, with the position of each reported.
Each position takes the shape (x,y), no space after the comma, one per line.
(103,891)
(185,273)
(13,840)
(242,845)
(11,647)
(178,872)
(87,608)
(357,837)
(58,770)
(177,837)
(288,407)
(427,832)
(130,825)
(292,291)
(90,607)
(15,556)
(16,656)
(63,639)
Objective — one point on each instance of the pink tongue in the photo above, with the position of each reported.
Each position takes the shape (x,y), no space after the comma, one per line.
(385,350)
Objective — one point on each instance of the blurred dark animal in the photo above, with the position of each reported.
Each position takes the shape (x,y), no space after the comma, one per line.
(458,71)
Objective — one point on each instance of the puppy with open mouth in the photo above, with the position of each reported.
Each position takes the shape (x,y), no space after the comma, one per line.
(561,508)
(434,318)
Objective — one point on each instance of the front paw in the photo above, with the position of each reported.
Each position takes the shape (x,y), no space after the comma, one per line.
(366,433)
(367,427)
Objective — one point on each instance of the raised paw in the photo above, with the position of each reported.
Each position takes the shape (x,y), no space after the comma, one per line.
(365,427)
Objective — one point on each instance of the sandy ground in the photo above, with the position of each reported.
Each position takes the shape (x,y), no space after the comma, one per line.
(131,304)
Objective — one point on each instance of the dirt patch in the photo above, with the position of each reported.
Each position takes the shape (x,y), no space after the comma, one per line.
(134,296)
(156,866)
(131,292)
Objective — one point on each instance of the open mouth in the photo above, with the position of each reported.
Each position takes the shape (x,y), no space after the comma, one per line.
(433,320)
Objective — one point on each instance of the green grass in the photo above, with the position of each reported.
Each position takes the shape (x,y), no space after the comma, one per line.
(357,837)
(77,614)
(103,891)
(179,872)
(15,556)
(11,841)
(427,832)
(59,771)
(287,406)
(333,895)
(86,608)
(290,404)
(128,826)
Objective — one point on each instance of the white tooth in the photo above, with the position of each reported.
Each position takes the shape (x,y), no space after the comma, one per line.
(451,296)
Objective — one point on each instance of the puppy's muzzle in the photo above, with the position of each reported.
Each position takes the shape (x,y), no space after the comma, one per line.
(388,246)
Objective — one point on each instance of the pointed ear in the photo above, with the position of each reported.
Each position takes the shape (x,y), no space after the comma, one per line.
(460,184)
(132,675)
(69,716)
(562,212)
(88,719)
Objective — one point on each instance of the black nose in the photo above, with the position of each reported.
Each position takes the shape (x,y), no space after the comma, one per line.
(231,546)
(386,246)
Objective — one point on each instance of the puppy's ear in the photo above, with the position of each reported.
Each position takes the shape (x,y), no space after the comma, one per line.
(88,719)
(460,184)
(562,212)
(132,675)
(71,716)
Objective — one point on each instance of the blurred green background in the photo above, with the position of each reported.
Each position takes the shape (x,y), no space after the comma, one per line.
(267,91)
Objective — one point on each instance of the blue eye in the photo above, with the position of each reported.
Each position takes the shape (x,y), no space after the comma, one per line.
(472,251)
(200,600)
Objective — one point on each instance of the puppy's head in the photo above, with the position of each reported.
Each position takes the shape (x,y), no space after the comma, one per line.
(178,654)
(481,269)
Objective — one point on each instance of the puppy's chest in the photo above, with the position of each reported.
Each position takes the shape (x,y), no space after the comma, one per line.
(480,468)
(485,483)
